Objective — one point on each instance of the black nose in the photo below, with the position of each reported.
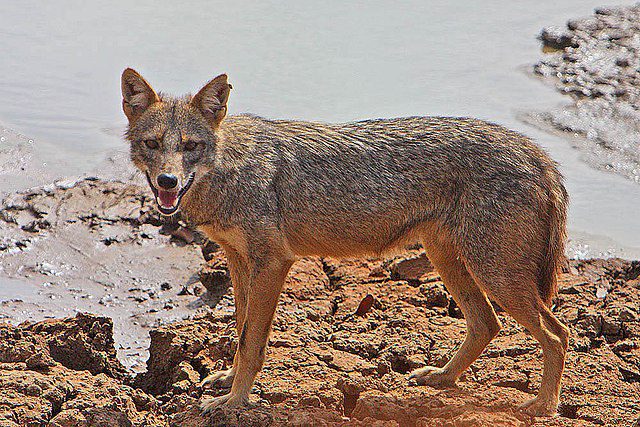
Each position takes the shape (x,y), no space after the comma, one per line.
(167,181)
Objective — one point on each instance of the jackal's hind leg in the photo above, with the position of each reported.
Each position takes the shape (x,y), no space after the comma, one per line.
(482,322)
(553,337)
(516,290)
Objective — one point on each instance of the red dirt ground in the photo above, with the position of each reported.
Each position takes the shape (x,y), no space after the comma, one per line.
(327,366)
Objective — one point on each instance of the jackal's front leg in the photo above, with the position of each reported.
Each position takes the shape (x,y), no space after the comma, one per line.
(267,279)
(240,273)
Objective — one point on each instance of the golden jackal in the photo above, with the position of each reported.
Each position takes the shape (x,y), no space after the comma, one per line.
(487,204)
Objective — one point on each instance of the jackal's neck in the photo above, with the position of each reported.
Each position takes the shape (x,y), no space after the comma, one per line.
(201,203)
(240,130)
(221,181)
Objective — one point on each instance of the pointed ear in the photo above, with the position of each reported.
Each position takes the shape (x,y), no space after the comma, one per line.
(212,99)
(137,94)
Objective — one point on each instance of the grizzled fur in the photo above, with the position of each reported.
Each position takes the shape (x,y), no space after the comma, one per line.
(488,205)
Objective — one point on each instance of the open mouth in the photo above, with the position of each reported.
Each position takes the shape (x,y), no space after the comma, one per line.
(169,200)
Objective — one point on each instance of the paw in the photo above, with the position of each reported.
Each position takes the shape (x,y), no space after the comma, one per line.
(220,379)
(432,376)
(228,400)
(540,407)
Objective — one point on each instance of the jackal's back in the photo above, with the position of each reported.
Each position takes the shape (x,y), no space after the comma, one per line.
(371,182)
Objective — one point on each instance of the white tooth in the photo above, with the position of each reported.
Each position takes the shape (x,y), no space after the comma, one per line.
(163,205)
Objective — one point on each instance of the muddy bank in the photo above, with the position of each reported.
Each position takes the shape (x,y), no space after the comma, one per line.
(98,246)
(334,360)
(595,61)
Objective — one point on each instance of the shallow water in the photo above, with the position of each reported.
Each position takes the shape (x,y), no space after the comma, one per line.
(334,62)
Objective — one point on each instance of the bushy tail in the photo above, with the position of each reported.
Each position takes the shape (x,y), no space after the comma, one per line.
(554,258)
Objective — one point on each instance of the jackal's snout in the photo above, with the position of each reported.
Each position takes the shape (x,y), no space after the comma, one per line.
(167,181)
(168,191)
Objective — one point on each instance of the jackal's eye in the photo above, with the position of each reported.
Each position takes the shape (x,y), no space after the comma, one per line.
(151,144)
(190,145)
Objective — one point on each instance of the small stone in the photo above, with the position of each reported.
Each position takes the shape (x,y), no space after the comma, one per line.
(68,418)
(186,372)
(627,315)
(215,277)
(608,10)
(34,390)
(384,367)
(431,277)
(311,401)
(350,385)
(584,24)
(365,305)
(410,269)
(570,290)
(556,38)
(282,343)
(435,294)
(611,328)
(40,360)
(185,291)
(313,315)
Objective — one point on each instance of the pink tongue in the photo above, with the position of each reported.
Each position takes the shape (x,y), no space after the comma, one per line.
(167,198)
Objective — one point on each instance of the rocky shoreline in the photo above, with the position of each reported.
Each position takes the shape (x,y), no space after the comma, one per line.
(596,61)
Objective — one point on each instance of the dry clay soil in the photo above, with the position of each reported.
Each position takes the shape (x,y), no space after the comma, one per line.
(346,334)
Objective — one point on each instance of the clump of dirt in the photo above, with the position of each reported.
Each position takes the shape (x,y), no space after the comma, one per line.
(84,342)
(595,60)
(63,373)
(61,397)
(182,354)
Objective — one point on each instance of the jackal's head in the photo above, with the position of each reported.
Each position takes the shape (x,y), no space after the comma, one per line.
(172,140)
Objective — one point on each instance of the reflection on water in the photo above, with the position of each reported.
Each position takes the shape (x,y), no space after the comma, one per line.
(332,61)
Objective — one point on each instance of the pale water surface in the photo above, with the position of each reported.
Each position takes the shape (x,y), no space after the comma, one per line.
(330,61)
